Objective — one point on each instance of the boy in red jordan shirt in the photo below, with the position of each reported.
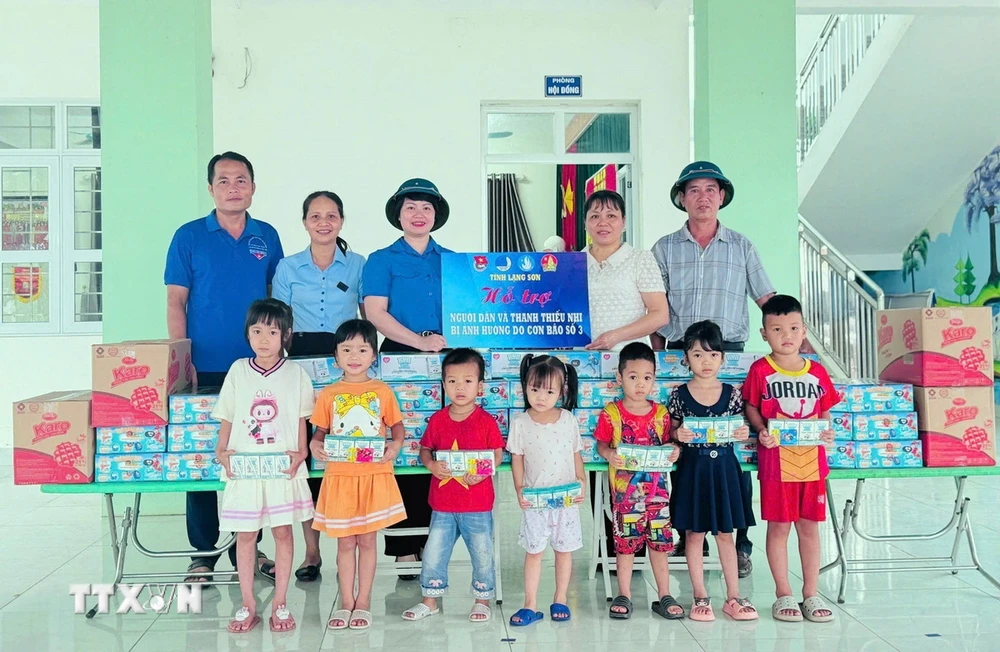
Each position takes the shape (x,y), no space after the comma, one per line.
(462,506)
(784,385)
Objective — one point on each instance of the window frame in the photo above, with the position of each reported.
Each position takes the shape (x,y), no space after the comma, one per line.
(61,255)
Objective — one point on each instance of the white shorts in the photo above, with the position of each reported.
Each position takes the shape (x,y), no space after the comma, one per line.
(560,527)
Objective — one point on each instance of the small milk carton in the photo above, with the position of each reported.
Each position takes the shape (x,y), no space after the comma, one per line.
(132,439)
(132,380)
(795,432)
(873,396)
(129,467)
(358,450)
(259,466)
(462,463)
(889,454)
(841,455)
(396,367)
(936,347)
(552,497)
(53,439)
(193,407)
(957,425)
(192,437)
(843,425)
(885,425)
(191,466)
(646,458)
(417,396)
(415,424)
(713,430)
(597,393)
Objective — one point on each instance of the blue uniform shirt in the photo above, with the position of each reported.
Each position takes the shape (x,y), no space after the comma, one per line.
(321,300)
(411,281)
(223,277)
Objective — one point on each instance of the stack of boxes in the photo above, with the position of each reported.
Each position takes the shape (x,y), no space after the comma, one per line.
(947,354)
(875,426)
(54,439)
(192,436)
(132,383)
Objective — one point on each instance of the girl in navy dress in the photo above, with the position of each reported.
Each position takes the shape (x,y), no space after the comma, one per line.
(707,496)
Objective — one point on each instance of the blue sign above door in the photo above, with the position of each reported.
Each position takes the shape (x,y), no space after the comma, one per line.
(564,86)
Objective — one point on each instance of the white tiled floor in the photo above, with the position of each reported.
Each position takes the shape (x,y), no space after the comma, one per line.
(49,542)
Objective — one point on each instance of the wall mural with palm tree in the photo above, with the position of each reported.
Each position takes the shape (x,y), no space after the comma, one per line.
(953,263)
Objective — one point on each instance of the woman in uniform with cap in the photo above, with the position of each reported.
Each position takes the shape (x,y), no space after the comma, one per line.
(401,286)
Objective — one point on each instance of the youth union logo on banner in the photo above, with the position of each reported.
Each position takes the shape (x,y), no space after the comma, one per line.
(521,300)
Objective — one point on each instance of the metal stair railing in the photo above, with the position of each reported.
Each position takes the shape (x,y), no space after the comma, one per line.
(839,302)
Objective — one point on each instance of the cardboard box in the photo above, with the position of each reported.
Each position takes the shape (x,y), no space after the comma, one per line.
(957,425)
(408,459)
(131,439)
(736,365)
(53,439)
(889,454)
(495,394)
(193,407)
(597,393)
(192,437)
(415,424)
(502,418)
(885,426)
(126,467)
(507,364)
(841,455)
(670,364)
(843,425)
(746,451)
(411,366)
(586,419)
(418,396)
(936,347)
(589,452)
(872,396)
(191,466)
(132,380)
(609,364)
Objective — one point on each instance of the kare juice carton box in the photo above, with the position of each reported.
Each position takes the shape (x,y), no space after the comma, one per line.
(132,381)
(885,425)
(872,396)
(889,454)
(192,437)
(191,466)
(193,407)
(841,455)
(418,396)
(131,439)
(54,439)
(396,367)
(936,347)
(129,467)
(957,425)
(843,425)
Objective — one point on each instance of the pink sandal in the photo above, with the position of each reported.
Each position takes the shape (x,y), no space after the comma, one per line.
(739,609)
(698,607)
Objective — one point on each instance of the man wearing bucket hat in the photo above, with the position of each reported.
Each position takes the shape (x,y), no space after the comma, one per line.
(708,271)
(401,288)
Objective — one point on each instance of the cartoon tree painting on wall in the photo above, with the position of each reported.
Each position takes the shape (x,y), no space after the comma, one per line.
(982,195)
(965,280)
(915,257)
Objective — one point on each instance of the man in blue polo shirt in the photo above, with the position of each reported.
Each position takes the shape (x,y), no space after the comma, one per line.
(216,267)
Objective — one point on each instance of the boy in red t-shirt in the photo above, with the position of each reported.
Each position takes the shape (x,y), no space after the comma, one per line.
(784,385)
(640,500)
(463,506)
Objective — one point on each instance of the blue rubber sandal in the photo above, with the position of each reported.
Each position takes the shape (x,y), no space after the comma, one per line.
(526,616)
(559,612)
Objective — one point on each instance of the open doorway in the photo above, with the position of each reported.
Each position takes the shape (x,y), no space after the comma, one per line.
(540,165)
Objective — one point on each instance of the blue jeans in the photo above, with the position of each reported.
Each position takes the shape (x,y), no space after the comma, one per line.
(476,529)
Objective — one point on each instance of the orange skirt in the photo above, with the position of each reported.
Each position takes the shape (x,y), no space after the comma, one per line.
(349,505)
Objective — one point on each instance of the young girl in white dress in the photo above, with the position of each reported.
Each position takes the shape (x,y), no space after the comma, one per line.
(263,406)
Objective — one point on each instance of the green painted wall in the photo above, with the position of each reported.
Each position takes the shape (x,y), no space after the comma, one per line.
(156,103)
(156,106)
(744,120)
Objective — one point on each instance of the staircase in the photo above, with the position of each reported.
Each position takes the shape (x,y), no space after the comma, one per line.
(839,303)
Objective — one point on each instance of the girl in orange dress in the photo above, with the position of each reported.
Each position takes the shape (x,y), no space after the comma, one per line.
(356,499)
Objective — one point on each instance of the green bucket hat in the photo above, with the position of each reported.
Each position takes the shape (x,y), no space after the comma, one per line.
(701,170)
(410,187)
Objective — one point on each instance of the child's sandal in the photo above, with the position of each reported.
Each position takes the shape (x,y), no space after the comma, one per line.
(701,610)
(739,609)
